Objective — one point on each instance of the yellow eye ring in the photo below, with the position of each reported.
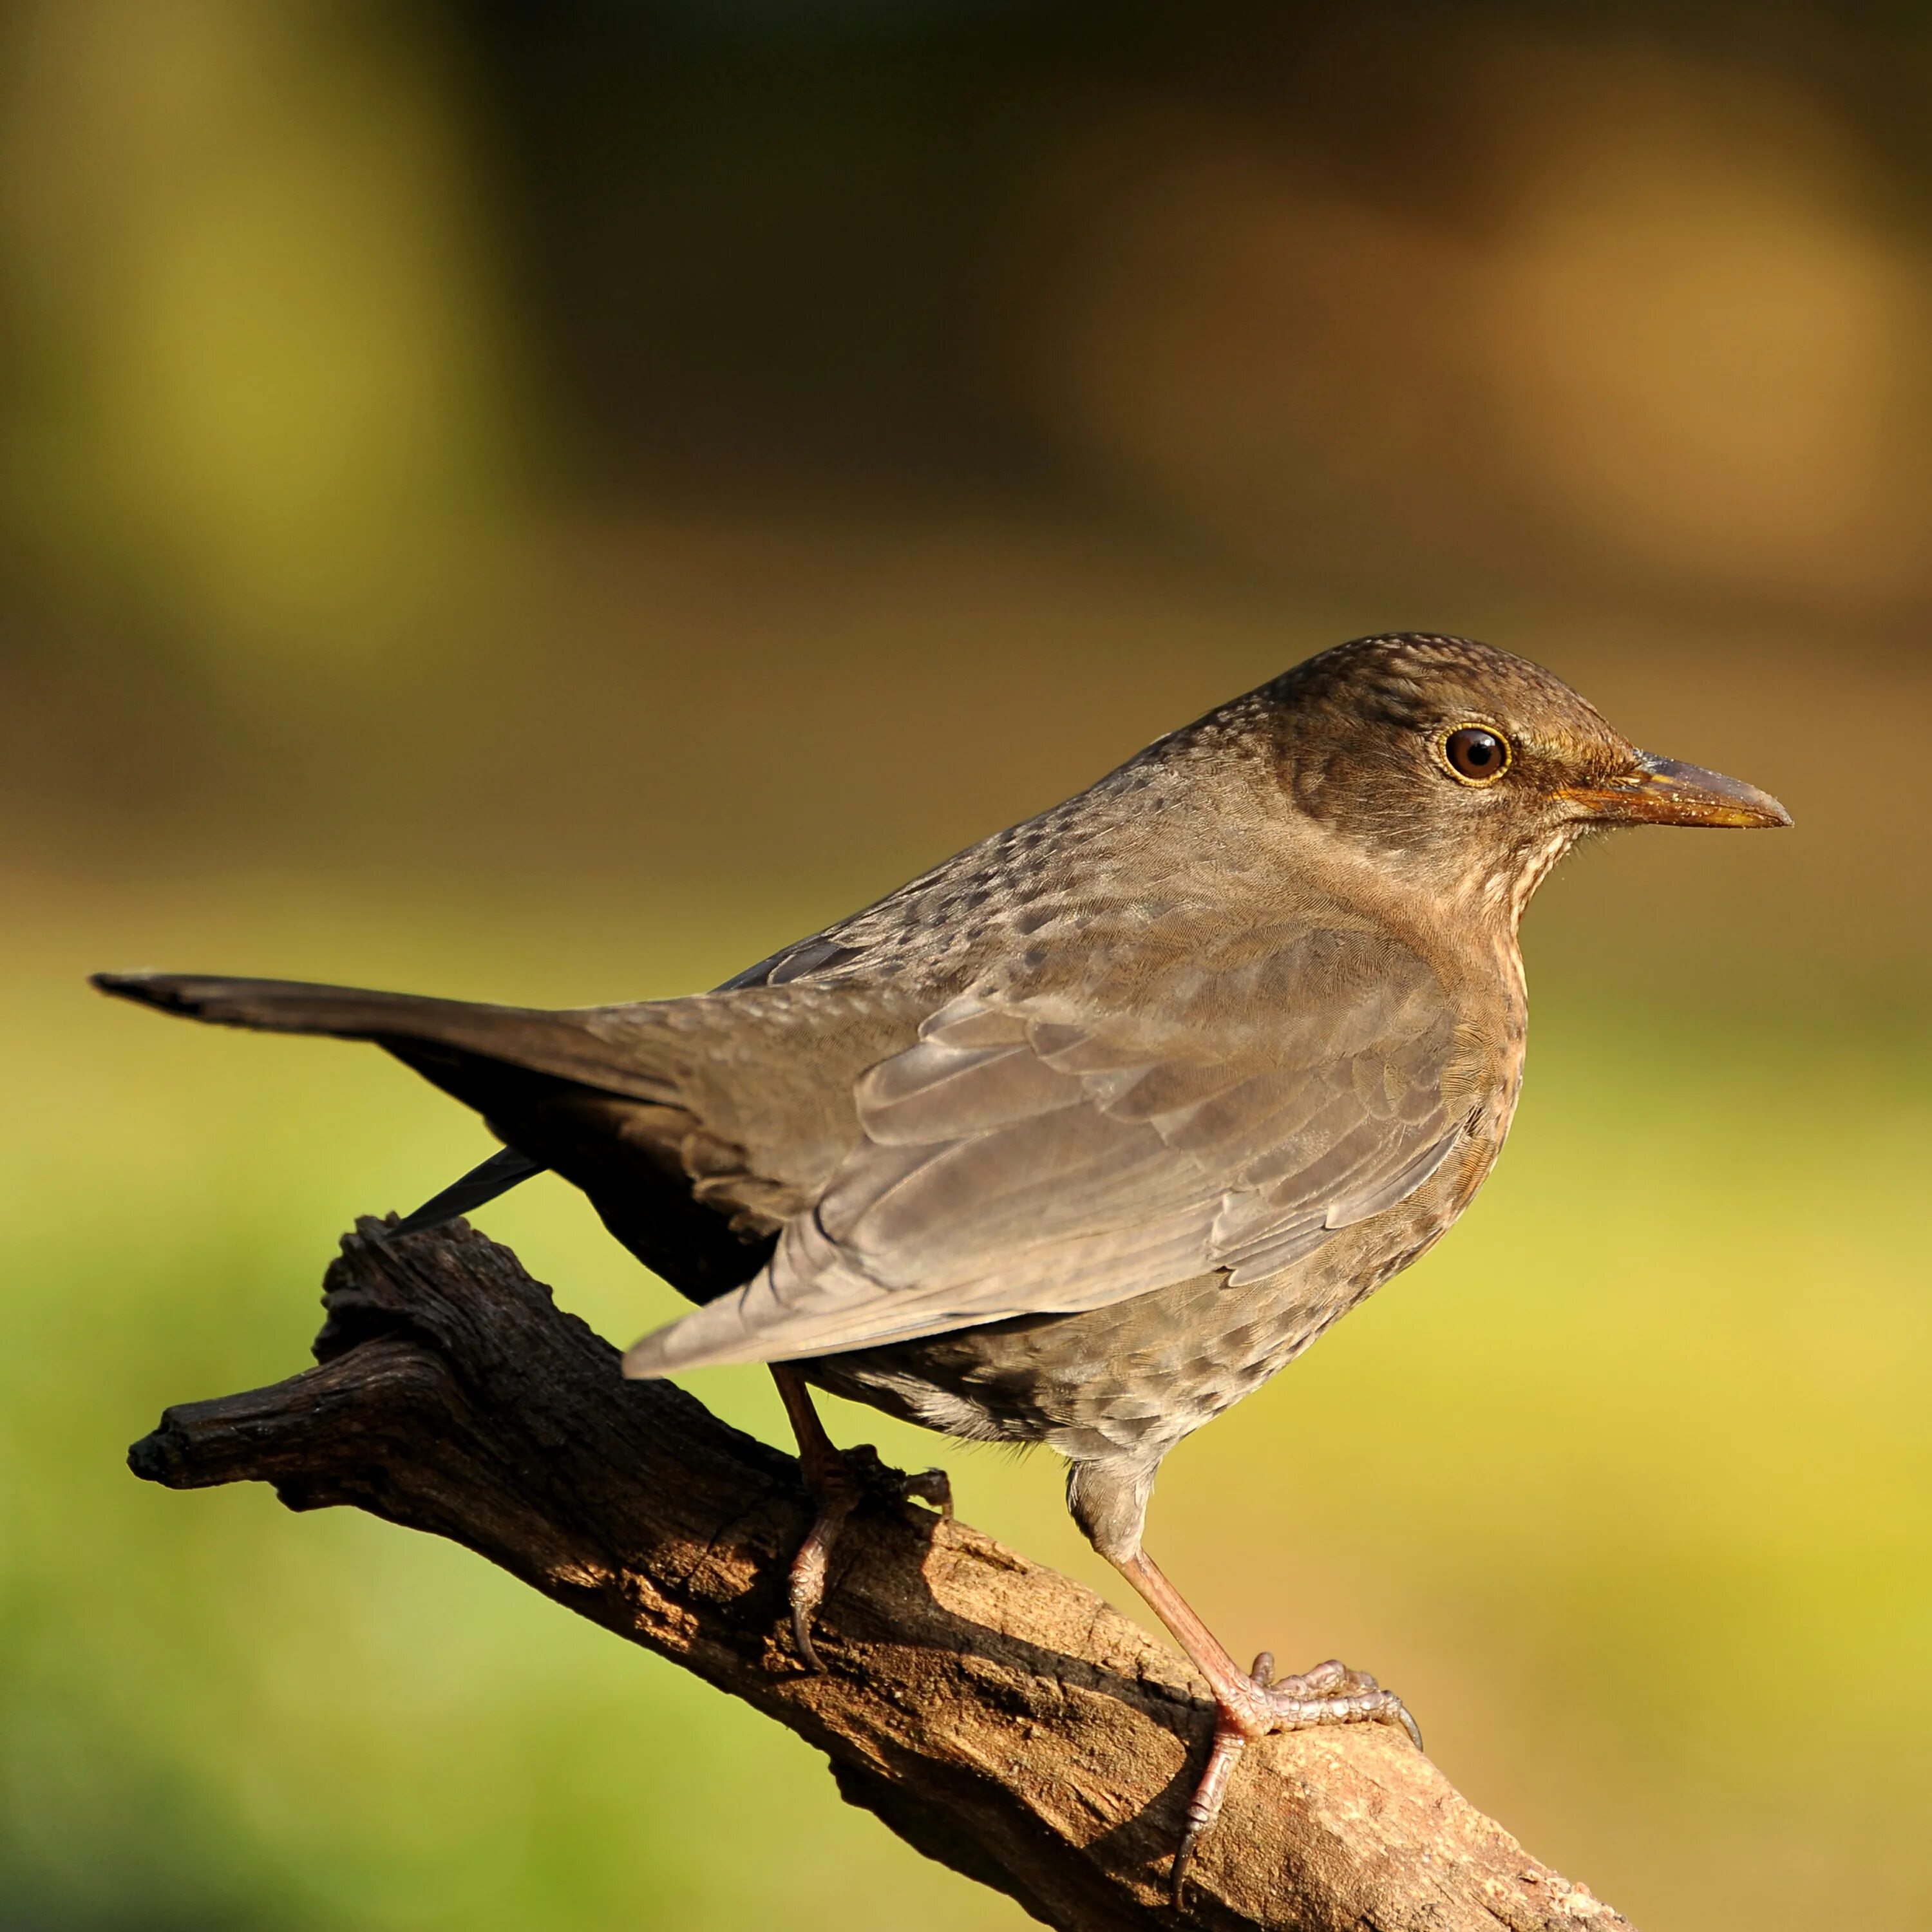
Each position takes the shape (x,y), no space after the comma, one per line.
(1475,754)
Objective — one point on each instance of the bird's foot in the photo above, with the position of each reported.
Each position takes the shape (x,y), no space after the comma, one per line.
(1259,1704)
(837,1480)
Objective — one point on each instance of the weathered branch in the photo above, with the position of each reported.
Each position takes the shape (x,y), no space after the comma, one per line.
(996,1716)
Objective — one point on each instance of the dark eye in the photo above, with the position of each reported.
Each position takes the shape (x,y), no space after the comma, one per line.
(1477,756)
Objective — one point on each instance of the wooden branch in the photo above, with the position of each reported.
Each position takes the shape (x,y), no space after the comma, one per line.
(996,1716)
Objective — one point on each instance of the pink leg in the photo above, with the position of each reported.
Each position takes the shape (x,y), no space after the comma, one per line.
(1250,1704)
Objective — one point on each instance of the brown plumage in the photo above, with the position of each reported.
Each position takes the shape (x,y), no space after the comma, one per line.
(1080,1136)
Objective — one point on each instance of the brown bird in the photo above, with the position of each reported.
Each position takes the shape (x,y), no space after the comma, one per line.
(1080,1136)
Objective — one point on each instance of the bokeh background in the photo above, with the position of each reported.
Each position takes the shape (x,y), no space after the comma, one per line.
(549,500)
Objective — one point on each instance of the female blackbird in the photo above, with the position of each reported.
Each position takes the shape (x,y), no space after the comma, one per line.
(1080,1136)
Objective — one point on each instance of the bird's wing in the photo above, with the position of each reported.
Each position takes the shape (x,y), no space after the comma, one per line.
(1037,1152)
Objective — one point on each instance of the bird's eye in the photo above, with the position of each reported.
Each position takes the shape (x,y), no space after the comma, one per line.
(1477,757)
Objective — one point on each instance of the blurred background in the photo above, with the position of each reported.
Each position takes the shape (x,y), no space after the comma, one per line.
(549,502)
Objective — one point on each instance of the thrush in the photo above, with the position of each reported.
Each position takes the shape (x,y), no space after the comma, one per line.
(1079,1138)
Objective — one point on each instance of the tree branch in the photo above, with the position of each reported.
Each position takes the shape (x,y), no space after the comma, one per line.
(996,1716)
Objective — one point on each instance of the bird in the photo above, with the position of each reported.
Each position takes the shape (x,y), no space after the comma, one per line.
(1079,1137)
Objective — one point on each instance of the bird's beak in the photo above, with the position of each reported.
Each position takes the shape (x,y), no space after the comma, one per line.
(1660,791)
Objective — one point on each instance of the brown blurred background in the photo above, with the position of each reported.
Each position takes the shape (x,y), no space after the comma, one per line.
(550,501)
(663,438)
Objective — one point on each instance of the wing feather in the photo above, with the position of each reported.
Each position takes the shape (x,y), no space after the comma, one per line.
(1025,1155)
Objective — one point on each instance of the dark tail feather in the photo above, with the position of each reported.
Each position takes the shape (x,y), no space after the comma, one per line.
(580,1047)
(592,1092)
(504,1170)
(291,1006)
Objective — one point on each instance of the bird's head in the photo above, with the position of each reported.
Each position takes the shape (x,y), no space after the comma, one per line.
(1474,769)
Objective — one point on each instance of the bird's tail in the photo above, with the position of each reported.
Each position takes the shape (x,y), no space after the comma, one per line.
(596,1092)
(452,1042)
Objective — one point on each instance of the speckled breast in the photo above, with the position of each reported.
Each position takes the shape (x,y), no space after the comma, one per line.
(1134,1377)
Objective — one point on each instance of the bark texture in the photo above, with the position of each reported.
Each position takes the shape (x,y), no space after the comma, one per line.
(998,1717)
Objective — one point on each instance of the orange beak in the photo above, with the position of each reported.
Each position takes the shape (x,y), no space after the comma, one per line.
(1660,791)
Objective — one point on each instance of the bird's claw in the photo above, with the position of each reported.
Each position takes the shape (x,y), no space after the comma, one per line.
(1260,1704)
(838,1483)
(1331,1693)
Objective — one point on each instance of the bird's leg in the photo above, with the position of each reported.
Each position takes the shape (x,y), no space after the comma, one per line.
(832,1486)
(1108,1499)
(1252,1703)
(836,1480)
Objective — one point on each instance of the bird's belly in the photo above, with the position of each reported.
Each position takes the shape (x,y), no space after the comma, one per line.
(1138,1375)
